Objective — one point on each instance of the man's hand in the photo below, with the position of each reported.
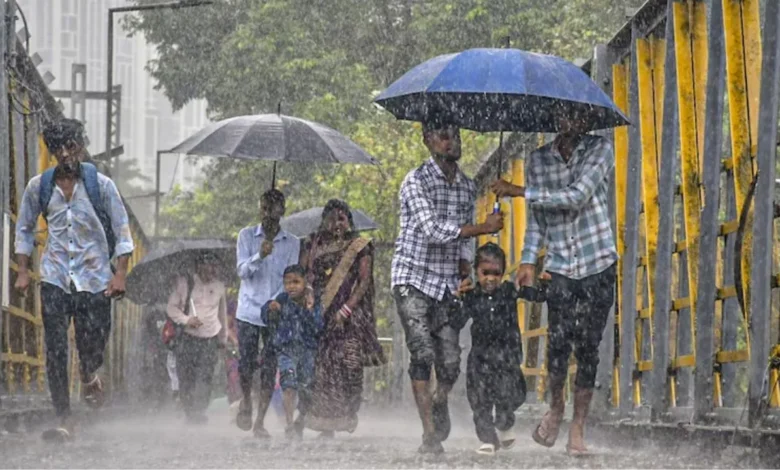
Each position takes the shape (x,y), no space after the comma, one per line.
(503,188)
(525,275)
(22,280)
(116,288)
(464,268)
(309,300)
(194,322)
(266,248)
(232,340)
(466,285)
(494,222)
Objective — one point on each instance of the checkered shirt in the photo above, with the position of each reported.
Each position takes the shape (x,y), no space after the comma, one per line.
(429,246)
(568,209)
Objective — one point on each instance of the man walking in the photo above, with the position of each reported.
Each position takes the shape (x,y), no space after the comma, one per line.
(263,253)
(566,194)
(432,253)
(87,225)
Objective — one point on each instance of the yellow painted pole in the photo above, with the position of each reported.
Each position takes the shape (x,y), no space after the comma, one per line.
(481,214)
(649,115)
(688,61)
(743,74)
(518,229)
(620,96)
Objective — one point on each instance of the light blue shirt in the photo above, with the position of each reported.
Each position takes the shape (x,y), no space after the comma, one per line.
(262,279)
(76,248)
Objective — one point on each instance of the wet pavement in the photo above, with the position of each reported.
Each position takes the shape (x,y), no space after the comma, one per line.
(383,440)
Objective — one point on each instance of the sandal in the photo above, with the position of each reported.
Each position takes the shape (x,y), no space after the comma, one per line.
(576,451)
(244,416)
(507,438)
(552,434)
(92,393)
(487,449)
(261,433)
(56,435)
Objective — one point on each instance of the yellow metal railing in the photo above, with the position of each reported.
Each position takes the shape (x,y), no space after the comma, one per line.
(644,55)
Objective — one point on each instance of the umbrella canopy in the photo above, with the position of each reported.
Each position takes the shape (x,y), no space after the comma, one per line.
(304,223)
(491,90)
(274,137)
(151,280)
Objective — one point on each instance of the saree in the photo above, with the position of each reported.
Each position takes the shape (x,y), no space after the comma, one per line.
(345,348)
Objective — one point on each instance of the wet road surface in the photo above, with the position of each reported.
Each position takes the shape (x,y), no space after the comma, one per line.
(383,440)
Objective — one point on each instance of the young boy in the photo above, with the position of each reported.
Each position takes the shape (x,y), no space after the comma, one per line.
(493,375)
(295,322)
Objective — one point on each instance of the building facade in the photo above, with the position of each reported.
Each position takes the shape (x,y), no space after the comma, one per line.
(68,32)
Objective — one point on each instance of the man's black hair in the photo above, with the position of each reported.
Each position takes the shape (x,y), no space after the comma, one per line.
(58,134)
(273,196)
(295,269)
(490,251)
(338,205)
(434,125)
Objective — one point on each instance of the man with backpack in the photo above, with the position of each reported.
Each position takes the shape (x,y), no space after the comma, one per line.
(87,226)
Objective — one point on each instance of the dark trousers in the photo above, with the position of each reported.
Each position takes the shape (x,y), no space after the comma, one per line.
(195,362)
(249,351)
(91,314)
(492,384)
(577,312)
(431,339)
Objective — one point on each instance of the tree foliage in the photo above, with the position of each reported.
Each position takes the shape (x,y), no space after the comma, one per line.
(325,61)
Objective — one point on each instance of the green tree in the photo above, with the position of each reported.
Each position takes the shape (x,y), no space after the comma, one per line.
(325,61)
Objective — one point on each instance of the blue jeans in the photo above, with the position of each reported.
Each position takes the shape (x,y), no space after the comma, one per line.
(296,371)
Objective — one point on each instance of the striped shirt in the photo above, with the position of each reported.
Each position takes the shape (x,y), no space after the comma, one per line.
(568,210)
(429,247)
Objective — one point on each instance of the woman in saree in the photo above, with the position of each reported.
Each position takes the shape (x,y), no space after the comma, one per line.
(339,268)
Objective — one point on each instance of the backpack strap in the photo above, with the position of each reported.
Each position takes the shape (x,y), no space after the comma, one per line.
(45,191)
(89,175)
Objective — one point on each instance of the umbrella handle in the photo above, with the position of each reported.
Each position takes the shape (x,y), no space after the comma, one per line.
(273,178)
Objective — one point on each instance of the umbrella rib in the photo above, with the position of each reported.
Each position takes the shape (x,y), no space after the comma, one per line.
(206,135)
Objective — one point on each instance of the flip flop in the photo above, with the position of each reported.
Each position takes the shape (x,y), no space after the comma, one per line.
(56,435)
(539,439)
(577,452)
(261,433)
(93,393)
(487,449)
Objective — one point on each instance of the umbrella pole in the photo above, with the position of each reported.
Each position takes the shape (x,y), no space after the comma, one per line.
(497,204)
(273,178)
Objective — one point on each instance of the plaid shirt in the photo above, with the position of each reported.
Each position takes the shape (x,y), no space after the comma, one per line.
(568,210)
(429,246)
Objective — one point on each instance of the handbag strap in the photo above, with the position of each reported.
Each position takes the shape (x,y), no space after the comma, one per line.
(341,271)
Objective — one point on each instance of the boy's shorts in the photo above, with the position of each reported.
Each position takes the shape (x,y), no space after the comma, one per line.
(296,370)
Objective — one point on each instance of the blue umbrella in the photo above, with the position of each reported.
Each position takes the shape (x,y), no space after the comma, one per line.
(491,90)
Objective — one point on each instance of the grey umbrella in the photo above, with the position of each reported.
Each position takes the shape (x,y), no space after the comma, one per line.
(304,223)
(152,278)
(274,137)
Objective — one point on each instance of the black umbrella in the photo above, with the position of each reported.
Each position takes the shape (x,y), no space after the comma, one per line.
(151,280)
(304,223)
(274,137)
